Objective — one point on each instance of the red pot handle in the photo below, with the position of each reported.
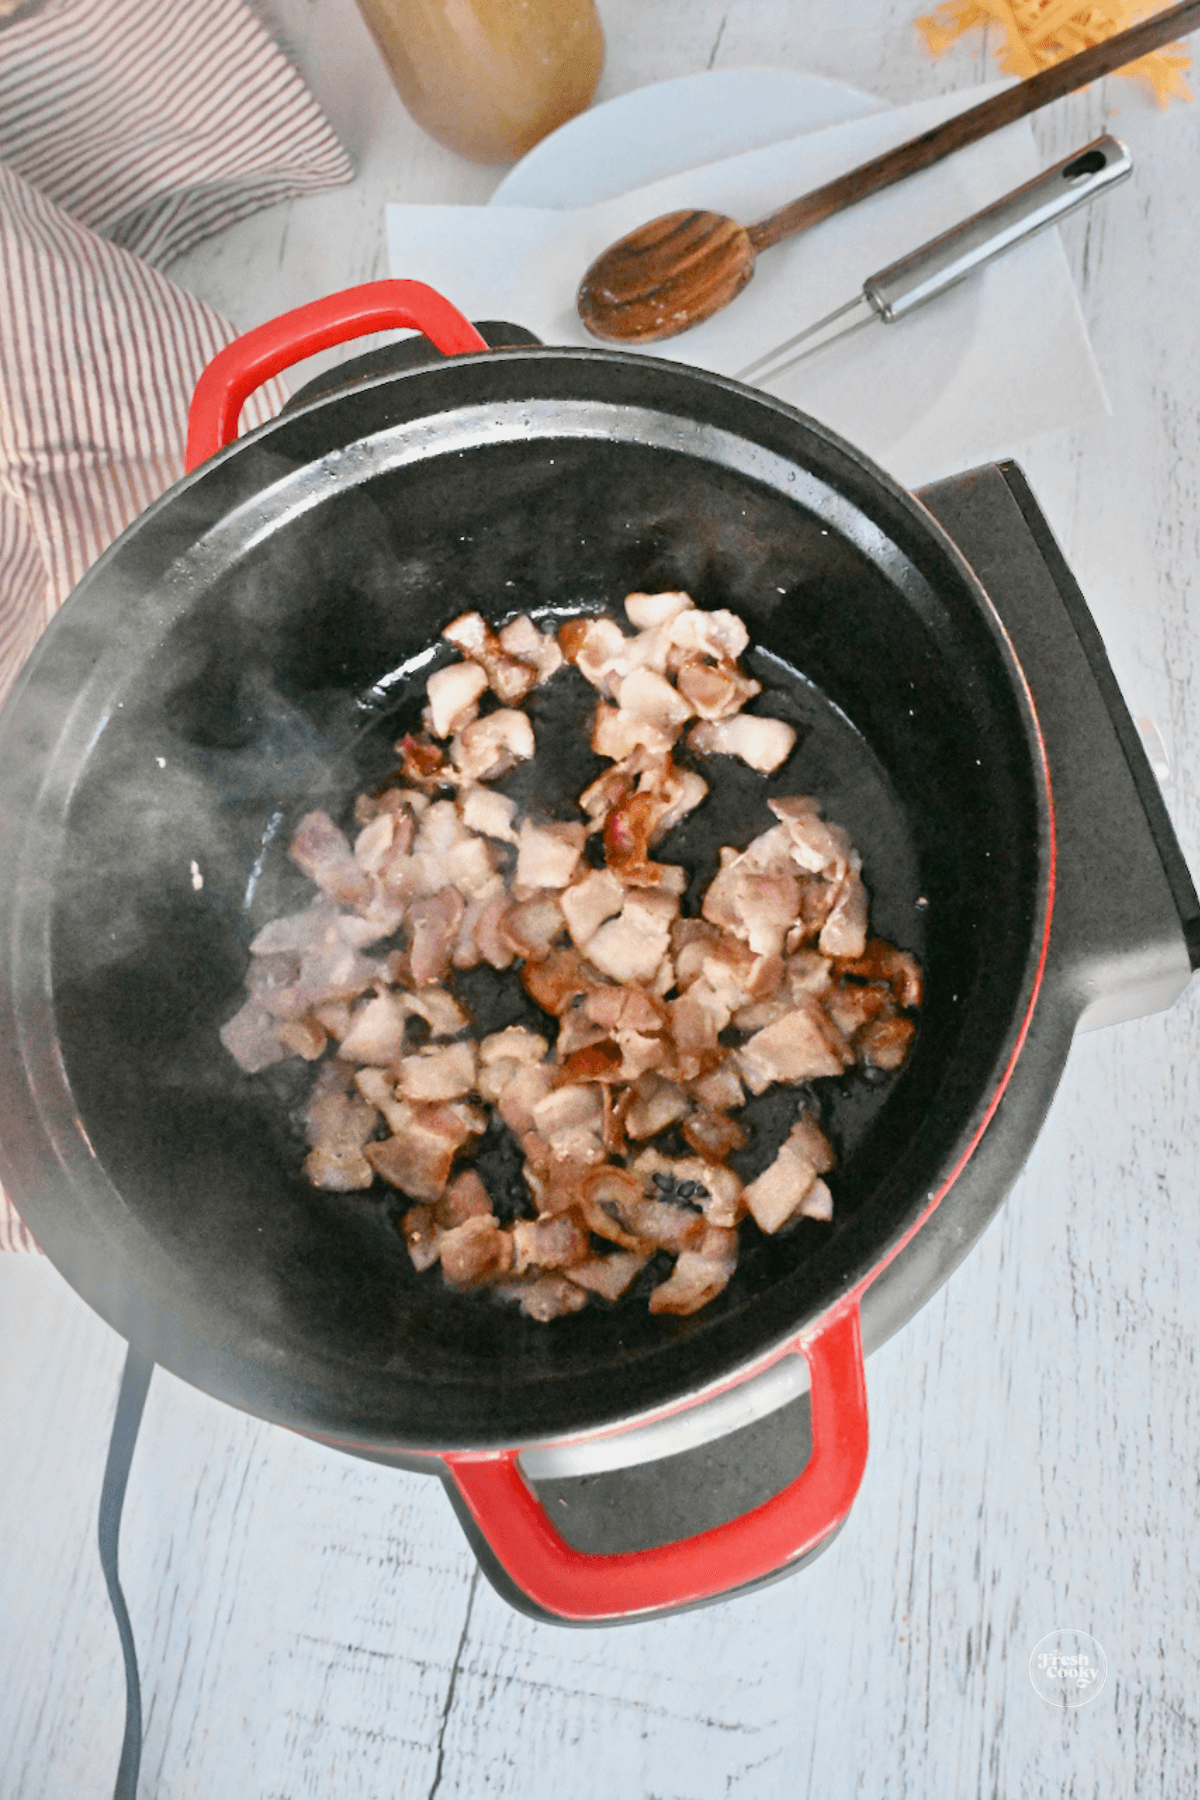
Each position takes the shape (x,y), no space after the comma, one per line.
(234,372)
(576,1585)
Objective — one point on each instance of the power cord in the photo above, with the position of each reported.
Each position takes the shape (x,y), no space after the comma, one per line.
(131,1401)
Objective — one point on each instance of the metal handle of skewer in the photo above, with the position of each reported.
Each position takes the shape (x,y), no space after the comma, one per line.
(913,280)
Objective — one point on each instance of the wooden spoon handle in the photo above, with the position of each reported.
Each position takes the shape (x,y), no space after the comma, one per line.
(990,115)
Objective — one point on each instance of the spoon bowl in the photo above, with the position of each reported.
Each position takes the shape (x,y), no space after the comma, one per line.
(665,277)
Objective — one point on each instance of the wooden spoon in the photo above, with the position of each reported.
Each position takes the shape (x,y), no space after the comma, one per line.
(682,268)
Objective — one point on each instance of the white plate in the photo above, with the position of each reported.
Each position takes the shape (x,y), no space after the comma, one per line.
(675,125)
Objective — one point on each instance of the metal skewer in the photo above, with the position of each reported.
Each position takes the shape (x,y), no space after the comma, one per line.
(944,261)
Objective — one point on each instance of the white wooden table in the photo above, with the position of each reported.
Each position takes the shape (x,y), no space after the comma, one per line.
(310,1625)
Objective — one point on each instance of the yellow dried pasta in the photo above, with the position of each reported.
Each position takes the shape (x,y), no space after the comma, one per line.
(1041,32)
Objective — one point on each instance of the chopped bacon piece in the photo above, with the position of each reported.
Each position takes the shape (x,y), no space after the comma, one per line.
(521,639)
(576,1032)
(488,930)
(587,903)
(334,1017)
(438,1072)
(438,834)
(852,1005)
(595,646)
(417,1158)
(779,1191)
(600,1061)
(516,1088)
(433,927)
(490,746)
(646,611)
(478,1250)
(376,1033)
(801,1046)
(338,1125)
(656,1105)
(606,792)
(715,690)
(608,1198)
(465,1198)
(510,680)
(844,932)
(453,695)
(421,1236)
(532,927)
(817,1203)
(545,1296)
(885,1043)
(470,866)
(699,1275)
(719,1090)
(377,1086)
(763,743)
(714,1135)
(620,1009)
(251,1039)
(618,734)
(294,934)
(644,695)
(548,855)
(548,1243)
(817,846)
(720,634)
(423,762)
(403,803)
(303,1037)
(516,1044)
(881,961)
(639,1054)
(569,1119)
(631,946)
(440,1011)
(609,1276)
(554,983)
(374,842)
(695,1028)
(489,813)
(324,854)
(682,790)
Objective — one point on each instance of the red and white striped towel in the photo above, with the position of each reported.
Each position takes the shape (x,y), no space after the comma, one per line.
(124,125)
(158,122)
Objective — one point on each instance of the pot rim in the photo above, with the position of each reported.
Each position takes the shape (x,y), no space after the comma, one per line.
(107,1253)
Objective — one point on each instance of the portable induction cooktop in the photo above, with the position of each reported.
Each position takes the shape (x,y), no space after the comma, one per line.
(1124,940)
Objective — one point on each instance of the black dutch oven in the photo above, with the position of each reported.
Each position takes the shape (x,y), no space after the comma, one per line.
(249,649)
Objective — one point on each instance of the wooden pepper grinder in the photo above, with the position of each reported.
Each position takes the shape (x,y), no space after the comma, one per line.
(489,78)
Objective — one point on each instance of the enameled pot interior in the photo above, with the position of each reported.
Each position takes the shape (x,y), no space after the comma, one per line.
(300,652)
